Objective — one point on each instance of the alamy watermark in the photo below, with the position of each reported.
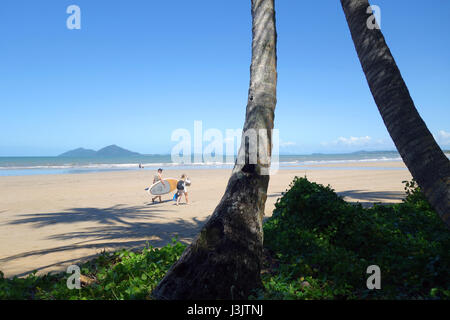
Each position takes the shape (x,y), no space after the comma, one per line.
(374,281)
(74,20)
(215,147)
(374,20)
(74,280)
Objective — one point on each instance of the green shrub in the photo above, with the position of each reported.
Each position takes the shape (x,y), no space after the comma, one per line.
(117,275)
(322,246)
(318,236)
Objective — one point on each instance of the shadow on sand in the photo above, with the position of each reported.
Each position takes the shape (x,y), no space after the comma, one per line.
(372,196)
(113,228)
(157,202)
(133,227)
(275,195)
(361,195)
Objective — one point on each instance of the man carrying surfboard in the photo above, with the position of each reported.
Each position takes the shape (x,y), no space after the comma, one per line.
(156,178)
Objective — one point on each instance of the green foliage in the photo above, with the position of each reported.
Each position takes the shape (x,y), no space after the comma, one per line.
(415,196)
(117,275)
(319,246)
(319,237)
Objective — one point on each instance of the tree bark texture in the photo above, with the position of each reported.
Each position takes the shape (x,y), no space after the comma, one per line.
(425,160)
(224,260)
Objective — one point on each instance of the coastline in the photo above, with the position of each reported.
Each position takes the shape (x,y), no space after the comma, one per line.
(23,166)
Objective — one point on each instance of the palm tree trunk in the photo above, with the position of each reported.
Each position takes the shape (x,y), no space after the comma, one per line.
(425,160)
(224,260)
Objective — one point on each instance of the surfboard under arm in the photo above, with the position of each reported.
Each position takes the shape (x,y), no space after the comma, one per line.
(159,188)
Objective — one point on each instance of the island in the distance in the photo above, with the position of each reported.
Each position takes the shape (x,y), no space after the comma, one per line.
(109,151)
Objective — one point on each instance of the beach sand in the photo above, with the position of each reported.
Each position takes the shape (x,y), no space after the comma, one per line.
(49,222)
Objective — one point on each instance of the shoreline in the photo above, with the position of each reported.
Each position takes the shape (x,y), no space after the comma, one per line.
(48,222)
(388,164)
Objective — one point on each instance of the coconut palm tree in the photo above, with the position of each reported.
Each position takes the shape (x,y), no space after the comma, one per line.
(224,260)
(425,160)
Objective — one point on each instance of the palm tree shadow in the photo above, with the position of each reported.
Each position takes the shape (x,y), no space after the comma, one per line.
(112,228)
(275,195)
(382,197)
(112,215)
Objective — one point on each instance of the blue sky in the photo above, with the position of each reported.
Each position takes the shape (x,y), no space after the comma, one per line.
(138,70)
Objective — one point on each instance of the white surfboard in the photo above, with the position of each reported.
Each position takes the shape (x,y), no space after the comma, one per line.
(158,189)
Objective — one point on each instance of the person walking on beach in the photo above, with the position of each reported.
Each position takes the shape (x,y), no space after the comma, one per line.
(182,188)
(156,178)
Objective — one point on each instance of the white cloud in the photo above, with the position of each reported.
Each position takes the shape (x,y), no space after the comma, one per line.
(354,141)
(287,144)
(357,143)
(443,137)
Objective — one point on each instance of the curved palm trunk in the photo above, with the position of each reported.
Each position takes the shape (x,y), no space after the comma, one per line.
(425,160)
(224,260)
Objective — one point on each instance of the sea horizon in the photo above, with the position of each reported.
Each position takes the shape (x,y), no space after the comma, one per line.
(43,165)
(29,165)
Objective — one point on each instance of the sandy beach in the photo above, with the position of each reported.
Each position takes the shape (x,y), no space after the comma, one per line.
(48,222)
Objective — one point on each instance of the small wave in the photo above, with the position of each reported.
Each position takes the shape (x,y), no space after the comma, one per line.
(180,164)
(315,162)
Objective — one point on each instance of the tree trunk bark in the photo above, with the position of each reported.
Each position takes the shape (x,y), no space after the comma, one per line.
(224,260)
(425,160)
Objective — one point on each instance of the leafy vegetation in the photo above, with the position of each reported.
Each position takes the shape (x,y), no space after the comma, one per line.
(323,246)
(317,246)
(117,275)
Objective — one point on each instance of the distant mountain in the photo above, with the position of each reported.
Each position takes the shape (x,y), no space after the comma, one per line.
(115,151)
(79,153)
(109,151)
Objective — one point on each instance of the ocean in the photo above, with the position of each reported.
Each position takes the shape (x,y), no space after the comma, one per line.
(19,166)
